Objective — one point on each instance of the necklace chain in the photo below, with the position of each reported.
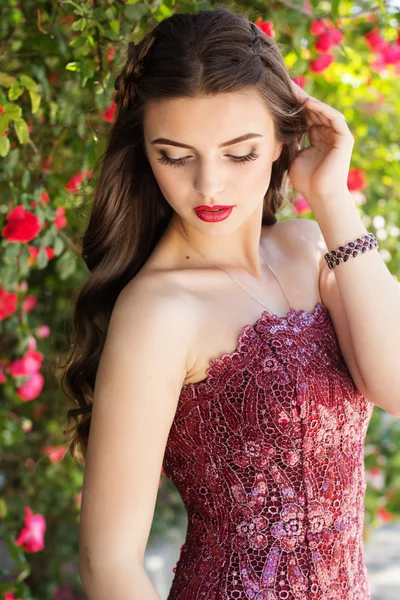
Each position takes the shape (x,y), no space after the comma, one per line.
(230,274)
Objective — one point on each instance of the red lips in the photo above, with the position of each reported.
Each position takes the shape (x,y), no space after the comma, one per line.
(213,215)
(214,207)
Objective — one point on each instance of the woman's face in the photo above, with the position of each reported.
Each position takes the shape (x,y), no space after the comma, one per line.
(211,171)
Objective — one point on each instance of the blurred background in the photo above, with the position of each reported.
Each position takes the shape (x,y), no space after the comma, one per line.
(58,63)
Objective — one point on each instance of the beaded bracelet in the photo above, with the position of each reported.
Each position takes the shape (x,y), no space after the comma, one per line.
(343,253)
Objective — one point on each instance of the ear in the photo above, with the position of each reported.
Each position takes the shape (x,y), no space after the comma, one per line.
(278,151)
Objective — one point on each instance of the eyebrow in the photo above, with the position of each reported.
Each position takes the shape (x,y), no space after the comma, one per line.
(241,138)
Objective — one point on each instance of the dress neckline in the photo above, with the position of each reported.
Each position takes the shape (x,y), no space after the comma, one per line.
(265,315)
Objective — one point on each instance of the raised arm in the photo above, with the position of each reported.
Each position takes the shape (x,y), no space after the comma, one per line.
(140,375)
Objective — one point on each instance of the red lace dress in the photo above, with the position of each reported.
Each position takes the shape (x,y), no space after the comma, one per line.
(267,453)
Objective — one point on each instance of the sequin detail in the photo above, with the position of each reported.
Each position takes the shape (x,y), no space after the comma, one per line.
(267,453)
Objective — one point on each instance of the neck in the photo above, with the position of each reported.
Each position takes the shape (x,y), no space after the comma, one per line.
(205,249)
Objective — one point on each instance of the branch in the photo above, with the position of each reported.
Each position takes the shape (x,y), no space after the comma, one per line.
(70,242)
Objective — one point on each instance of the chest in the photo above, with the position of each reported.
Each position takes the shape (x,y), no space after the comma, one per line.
(225,308)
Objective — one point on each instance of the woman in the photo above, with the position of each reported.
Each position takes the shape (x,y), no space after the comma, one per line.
(258,417)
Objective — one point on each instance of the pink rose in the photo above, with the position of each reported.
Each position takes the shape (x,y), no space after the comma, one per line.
(31,537)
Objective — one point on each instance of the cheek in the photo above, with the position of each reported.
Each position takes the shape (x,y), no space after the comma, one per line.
(162,175)
(257,178)
(172,183)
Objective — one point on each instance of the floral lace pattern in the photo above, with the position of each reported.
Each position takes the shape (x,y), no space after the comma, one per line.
(267,453)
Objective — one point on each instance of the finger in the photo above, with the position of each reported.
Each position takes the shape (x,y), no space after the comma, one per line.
(299,92)
(317,135)
(314,118)
(298,89)
(336,119)
(318,116)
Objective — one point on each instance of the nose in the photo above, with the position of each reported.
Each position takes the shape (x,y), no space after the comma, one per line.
(209,181)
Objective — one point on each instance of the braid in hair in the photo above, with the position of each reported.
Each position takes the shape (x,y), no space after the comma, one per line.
(257,45)
(132,72)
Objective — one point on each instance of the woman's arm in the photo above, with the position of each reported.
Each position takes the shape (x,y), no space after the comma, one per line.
(118,582)
(137,388)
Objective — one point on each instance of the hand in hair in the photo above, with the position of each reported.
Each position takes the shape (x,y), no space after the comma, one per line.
(320,171)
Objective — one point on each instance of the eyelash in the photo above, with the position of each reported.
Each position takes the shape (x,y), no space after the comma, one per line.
(179,162)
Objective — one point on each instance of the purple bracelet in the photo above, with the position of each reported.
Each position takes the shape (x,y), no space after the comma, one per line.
(343,253)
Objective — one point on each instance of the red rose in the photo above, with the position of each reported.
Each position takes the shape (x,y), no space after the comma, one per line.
(22,225)
(8,304)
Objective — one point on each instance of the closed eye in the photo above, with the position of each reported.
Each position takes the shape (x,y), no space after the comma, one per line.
(178,162)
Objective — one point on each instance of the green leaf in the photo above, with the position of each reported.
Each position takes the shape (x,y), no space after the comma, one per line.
(382,7)
(9,274)
(4,146)
(26,179)
(290,59)
(114,26)
(48,238)
(66,264)
(335,8)
(78,42)
(78,10)
(16,90)
(3,508)
(22,131)
(164,12)
(29,83)
(88,69)
(35,101)
(6,80)
(79,25)
(100,27)
(12,250)
(15,552)
(12,111)
(109,13)
(98,13)
(72,66)
(135,12)
(24,574)
(24,267)
(59,246)
(42,212)
(42,260)
(4,121)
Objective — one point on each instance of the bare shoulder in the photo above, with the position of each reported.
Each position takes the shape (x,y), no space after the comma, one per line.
(306,239)
(306,235)
(155,297)
(300,235)
(300,232)
(164,303)
(313,241)
(162,288)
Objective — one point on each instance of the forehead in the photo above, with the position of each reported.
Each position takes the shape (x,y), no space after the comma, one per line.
(208,118)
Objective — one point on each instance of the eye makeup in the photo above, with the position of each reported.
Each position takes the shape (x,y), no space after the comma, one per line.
(178,162)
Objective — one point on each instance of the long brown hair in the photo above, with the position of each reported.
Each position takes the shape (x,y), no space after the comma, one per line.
(207,52)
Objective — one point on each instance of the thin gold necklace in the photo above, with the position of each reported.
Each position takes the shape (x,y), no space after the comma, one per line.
(234,278)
